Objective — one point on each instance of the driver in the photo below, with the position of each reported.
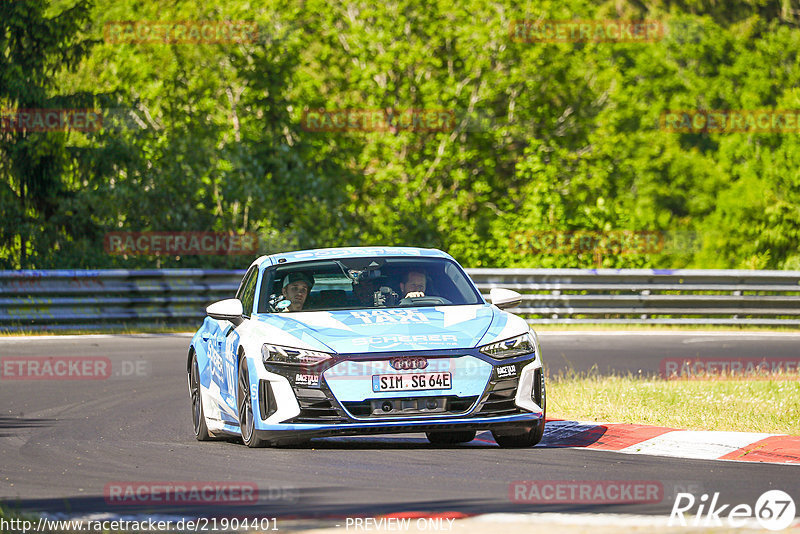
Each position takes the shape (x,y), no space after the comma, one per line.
(296,287)
(413,284)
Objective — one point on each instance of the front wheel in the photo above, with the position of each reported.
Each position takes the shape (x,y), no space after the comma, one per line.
(526,439)
(198,417)
(245,404)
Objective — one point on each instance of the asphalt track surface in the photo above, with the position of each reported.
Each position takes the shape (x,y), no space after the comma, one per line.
(63,442)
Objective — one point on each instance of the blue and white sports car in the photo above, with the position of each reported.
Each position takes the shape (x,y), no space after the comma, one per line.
(369,340)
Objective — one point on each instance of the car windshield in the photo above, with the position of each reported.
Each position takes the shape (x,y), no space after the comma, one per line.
(365,283)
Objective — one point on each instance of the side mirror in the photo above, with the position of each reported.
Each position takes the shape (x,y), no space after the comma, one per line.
(227,310)
(504,298)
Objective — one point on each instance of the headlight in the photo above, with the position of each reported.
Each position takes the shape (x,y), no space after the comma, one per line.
(509,348)
(292,356)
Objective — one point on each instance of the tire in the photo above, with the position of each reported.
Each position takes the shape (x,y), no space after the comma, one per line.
(198,416)
(451,437)
(526,439)
(245,404)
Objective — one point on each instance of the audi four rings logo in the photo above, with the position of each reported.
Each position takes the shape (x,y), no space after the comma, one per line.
(408,362)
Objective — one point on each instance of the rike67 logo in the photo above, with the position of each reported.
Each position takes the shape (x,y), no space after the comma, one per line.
(774,510)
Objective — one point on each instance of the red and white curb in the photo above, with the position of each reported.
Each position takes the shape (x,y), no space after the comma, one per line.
(672,442)
(642,439)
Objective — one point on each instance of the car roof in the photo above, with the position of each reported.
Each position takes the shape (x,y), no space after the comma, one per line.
(348,252)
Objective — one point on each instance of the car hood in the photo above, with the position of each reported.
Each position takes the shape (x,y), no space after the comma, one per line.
(390,330)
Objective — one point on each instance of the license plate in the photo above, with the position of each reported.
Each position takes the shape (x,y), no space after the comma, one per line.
(411,382)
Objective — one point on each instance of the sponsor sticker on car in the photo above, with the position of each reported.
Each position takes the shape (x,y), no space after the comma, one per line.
(306,380)
(506,371)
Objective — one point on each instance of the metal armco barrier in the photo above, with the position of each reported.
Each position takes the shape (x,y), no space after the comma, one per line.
(109,298)
(663,296)
(96,299)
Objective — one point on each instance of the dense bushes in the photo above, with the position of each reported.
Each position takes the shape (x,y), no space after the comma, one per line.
(546,136)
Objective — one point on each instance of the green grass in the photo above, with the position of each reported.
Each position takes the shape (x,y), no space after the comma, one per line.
(743,405)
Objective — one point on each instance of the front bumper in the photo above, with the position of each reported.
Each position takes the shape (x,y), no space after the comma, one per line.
(292,433)
(487,394)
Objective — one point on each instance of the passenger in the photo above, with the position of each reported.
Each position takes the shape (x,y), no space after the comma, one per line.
(296,287)
(413,284)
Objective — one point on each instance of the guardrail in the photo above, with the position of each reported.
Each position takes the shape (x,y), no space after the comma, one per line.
(662,296)
(110,298)
(94,299)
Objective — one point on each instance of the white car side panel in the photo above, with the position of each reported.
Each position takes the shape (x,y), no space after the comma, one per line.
(250,334)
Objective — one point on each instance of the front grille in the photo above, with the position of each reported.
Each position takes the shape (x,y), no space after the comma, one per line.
(499,399)
(409,406)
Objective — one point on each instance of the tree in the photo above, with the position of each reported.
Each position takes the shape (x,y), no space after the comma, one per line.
(38,173)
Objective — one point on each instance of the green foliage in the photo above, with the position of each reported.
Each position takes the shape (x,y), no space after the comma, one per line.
(546,136)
